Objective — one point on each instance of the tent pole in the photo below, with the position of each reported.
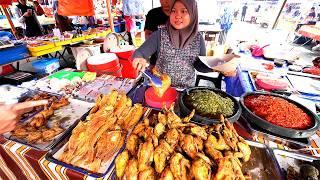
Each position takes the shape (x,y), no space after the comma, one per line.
(13,29)
(110,15)
(278,16)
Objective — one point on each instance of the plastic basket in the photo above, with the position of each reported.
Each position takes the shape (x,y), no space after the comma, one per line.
(48,45)
(47,51)
(78,39)
(46,66)
(62,43)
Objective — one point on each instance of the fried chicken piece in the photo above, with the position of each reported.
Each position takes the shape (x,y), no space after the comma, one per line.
(121,163)
(166,174)
(131,171)
(132,144)
(245,150)
(200,170)
(133,117)
(60,103)
(199,131)
(218,144)
(37,121)
(122,104)
(139,128)
(20,131)
(161,155)
(172,137)
(109,143)
(179,166)
(189,146)
(225,170)
(162,118)
(41,118)
(199,143)
(49,134)
(159,129)
(166,83)
(33,137)
(188,118)
(147,174)
(145,155)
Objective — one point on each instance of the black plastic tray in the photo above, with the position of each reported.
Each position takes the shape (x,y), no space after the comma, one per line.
(281,131)
(204,120)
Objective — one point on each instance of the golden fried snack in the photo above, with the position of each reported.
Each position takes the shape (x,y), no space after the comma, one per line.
(172,137)
(166,83)
(109,143)
(200,170)
(121,163)
(33,137)
(147,174)
(60,103)
(131,171)
(133,116)
(166,174)
(179,166)
(145,155)
(159,129)
(161,156)
(189,146)
(132,144)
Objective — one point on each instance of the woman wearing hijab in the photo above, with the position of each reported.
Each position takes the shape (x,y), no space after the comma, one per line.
(27,17)
(178,45)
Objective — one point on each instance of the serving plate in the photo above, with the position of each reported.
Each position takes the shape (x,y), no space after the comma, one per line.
(277,130)
(205,120)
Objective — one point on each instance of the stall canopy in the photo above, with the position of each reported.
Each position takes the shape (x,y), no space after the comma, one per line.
(76,8)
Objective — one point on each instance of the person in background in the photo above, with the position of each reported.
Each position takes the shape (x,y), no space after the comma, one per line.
(178,45)
(131,9)
(225,25)
(244,12)
(27,17)
(11,114)
(157,17)
(312,13)
(63,22)
(38,8)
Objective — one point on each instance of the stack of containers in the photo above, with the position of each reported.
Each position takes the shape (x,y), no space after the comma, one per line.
(105,63)
(124,55)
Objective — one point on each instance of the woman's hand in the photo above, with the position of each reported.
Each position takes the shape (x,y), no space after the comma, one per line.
(11,114)
(139,64)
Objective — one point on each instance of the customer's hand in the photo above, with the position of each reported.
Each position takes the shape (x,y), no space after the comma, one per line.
(230,74)
(11,114)
(139,64)
(27,14)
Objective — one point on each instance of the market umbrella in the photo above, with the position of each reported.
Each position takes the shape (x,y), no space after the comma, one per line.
(81,8)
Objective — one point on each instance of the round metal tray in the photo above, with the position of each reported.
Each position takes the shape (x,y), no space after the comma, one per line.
(205,120)
(278,130)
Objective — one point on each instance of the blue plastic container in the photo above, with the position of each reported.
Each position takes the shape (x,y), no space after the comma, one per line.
(117,28)
(12,54)
(46,66)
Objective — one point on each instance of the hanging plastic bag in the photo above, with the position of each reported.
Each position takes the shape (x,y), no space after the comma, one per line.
(75,8)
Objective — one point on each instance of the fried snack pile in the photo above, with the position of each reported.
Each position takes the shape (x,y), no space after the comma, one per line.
(166,83)
(36,131)
(97,139)
(168,147)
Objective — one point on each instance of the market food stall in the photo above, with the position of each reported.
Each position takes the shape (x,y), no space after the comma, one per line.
(106,121)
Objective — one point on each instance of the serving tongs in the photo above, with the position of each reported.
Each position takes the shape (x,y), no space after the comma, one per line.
(148,77)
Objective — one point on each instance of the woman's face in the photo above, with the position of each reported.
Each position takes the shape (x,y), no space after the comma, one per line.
(179,16)
(165,4)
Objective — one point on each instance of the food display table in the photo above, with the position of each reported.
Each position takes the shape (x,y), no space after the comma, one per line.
(23,162)
(310,31)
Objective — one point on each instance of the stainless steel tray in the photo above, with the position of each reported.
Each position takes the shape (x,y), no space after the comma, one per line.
(262,163)
(67,116)
(295,160)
